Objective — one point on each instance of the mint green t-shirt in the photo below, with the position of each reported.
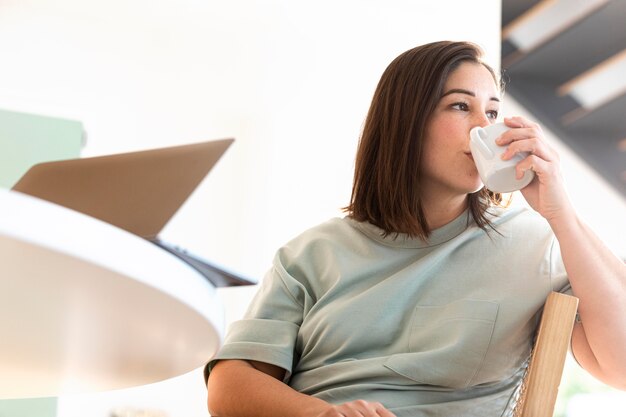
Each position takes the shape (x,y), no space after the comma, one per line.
(436,328)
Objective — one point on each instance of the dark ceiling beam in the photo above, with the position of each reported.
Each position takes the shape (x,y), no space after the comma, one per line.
(607,122)
(538,79)
(579,34)
(512,9)
(594,39)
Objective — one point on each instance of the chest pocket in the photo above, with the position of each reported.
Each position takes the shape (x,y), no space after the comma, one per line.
(447,344)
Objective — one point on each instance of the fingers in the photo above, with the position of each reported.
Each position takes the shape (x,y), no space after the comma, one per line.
(533,146)
(521,129)
(518,121)
(525,136)
(381,410)
(385,413)
(534,163)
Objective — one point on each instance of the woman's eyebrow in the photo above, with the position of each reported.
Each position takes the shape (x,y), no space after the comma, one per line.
(462,91)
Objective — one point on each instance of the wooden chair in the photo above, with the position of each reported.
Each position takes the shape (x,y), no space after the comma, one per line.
(541,383)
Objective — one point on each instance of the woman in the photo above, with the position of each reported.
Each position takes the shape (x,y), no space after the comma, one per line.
(423,301)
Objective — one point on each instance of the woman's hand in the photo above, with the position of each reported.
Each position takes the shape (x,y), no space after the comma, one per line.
(546,193)
(358,408)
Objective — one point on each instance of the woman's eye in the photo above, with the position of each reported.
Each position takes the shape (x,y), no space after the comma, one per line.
(493,114)
(460,106)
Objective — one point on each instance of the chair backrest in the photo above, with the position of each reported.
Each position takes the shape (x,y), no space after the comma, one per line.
(543,377)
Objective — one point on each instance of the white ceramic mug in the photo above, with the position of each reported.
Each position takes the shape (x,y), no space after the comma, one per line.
(497,175)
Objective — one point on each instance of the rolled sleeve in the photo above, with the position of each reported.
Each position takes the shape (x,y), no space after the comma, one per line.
(269,329)
(269,341)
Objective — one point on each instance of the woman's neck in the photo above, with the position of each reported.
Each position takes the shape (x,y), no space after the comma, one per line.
(441,211)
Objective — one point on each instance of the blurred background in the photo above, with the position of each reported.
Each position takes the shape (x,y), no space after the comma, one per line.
(292,82)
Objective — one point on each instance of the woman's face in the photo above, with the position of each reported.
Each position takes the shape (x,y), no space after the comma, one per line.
(470,98)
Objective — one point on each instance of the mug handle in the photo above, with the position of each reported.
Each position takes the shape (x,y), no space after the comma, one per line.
(477,138)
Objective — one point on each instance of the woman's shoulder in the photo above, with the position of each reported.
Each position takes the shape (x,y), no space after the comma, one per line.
(317,247)
(521,219)
(337,231)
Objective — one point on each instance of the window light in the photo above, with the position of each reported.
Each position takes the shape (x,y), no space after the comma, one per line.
(600,84)
(547,19)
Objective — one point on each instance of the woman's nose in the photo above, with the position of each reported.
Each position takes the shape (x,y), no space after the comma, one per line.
(482,120)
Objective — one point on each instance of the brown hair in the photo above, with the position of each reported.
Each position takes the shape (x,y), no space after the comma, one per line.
(387,173)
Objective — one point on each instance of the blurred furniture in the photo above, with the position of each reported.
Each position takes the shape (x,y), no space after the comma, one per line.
(27,139)
(88,306)
(541,383)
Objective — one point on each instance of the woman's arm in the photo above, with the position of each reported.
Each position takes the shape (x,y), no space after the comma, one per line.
(238,388)
(241,388)
(598,279)
(597,276)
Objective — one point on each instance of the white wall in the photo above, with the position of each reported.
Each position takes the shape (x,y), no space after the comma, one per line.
(290,80)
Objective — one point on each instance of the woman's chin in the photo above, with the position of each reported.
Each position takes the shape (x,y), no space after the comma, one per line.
(477,188)
(474,185)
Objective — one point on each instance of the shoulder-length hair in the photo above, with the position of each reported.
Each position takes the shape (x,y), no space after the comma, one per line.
(388,169)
